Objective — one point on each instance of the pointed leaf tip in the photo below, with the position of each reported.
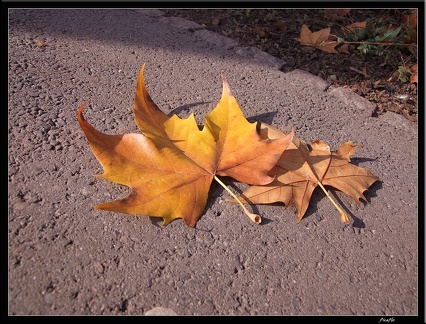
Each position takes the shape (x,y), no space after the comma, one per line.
(80,112)
(226,89)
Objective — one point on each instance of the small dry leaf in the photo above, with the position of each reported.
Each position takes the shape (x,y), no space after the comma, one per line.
(280,26)
(319,39)
(335,14)
(414,75)
(40,43)
(215,21)
(357,25)
(261,32)
(410,20)
(344,49)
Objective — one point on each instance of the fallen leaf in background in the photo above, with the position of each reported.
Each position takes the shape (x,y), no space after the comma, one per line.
(413,76)
(280,26)
(261,32)
(344,48)
(335,14)
(352,27)
(410,21)
(215,21)
(318,39)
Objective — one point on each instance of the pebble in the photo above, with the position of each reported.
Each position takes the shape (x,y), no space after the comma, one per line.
(48,147)
(49,298)
(99,266)
(84,192)
(21,205)
(32,93)
(321,274)
(160,311)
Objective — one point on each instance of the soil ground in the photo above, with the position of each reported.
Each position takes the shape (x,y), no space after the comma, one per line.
(372,76)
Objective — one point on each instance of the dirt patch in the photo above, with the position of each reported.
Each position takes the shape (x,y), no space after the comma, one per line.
(374,76)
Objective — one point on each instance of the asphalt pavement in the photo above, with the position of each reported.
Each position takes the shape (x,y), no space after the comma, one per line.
(65,258)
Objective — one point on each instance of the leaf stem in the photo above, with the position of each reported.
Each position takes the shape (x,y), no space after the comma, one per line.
(375,43)
(343,217)
(254,217)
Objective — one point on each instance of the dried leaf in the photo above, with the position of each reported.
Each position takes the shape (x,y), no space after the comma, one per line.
(414,75)
(261,32)
(170,166)
(215,21)
(344,48)
(410,20)
(357,25)
(318,39)
(40,43)
(336,14)
(300,170)
(280,26)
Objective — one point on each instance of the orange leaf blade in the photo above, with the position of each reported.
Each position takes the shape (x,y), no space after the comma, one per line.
(169,168)
(244,155)
(164,183)
(148,117)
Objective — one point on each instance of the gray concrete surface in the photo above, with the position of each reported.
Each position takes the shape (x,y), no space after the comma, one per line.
(67,258)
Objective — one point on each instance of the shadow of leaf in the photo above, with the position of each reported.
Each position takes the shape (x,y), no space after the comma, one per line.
(179,109)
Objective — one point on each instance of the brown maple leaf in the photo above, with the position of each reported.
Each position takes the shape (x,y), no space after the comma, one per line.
(414,76)
(344,48)
(170,166)
(319,39)
(410,20)
(300,170)
(410,26)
